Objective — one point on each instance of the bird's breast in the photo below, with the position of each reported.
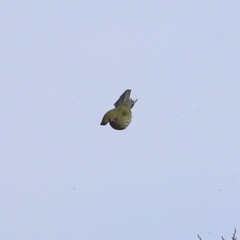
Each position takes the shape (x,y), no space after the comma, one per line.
(120,125)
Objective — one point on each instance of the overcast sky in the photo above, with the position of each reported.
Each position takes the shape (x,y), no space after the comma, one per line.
(173,173)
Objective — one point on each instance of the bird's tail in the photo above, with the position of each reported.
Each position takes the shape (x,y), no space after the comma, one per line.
(125,99)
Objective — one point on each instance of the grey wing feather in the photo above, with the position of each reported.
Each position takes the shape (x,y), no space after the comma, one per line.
(125,99)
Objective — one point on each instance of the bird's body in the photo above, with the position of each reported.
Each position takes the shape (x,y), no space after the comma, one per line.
(120,117)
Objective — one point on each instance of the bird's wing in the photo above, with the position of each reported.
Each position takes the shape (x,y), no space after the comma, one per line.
(124,98)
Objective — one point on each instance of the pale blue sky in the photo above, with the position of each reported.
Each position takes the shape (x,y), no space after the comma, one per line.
(173,173)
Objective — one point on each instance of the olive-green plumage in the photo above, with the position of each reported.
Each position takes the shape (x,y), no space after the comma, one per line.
(120,117)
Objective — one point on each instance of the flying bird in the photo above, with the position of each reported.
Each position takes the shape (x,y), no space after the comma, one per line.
(120,117)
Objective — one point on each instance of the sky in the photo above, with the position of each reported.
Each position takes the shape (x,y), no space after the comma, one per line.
(173,173)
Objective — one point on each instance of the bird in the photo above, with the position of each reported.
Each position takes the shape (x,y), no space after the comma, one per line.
(120,117)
